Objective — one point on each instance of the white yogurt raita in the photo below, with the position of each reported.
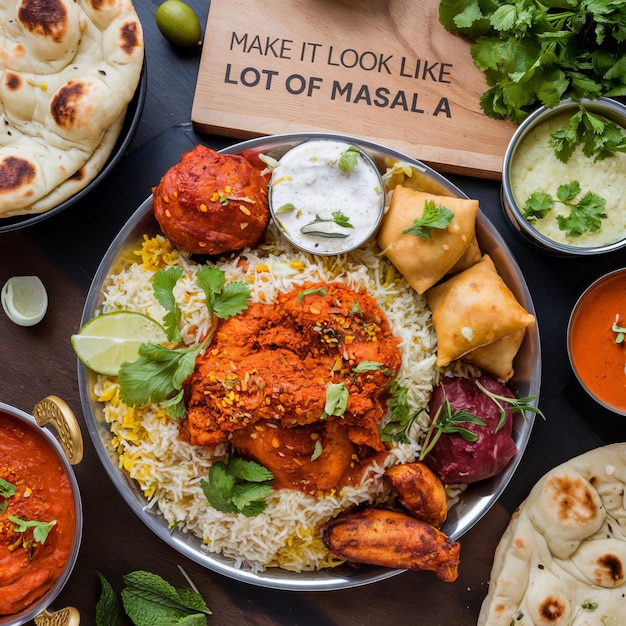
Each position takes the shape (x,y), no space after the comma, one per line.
(326,196)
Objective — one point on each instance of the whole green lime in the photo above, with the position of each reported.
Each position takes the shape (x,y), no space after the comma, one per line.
(179,24)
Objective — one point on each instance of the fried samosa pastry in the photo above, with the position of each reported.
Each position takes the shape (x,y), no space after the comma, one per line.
(420,491)
(423,262)
(497,357)
(472,309)
(392,539)
(471,256)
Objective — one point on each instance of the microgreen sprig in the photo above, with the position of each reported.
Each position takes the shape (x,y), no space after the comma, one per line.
(519,405)
(40,529)
(447,421)
(620,330)
(401,416)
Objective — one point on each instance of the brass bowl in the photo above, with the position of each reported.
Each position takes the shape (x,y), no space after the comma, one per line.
(68,447)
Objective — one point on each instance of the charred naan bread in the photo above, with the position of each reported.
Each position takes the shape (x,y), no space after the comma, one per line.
(473,309)
(423,262)
(68,70)
(562,560)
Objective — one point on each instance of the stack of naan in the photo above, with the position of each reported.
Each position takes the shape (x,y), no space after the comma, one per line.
(562,560)
(476,317)
(68,70)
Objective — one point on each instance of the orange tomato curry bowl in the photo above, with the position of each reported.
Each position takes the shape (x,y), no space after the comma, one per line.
(38,485)
(596,341)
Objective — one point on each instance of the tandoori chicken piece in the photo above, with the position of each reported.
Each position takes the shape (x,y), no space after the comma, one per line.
(420,491)
(392,539)
(281,363)
(212,203)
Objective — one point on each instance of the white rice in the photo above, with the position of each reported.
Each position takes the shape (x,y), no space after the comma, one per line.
(169,470)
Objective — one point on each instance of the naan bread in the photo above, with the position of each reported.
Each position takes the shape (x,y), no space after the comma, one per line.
(472,309)
(562,559)
(423,262)
(68,70)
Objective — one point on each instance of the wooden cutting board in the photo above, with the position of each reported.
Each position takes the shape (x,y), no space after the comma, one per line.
(382,70)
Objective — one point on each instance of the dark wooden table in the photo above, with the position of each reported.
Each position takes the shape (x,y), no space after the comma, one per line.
(64,251)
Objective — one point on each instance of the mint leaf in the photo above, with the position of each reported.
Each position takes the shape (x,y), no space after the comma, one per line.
(433,217)
(151,601)
(108,607)
(163,284)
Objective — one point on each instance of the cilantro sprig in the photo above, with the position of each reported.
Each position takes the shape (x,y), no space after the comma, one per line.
(158,374)
(238,486)
(149,599)
(540,52)
(163,284)
(585,215)
(433,217)
(597,136)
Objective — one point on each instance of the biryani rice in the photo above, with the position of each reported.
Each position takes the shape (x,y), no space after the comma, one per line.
(169,470)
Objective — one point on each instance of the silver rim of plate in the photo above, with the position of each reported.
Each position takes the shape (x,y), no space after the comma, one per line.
(475,501)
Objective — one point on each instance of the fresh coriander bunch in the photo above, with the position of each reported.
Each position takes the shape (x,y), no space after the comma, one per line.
(536,52)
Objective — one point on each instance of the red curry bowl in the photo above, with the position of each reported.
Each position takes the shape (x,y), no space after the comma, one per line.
(25,448)
(596,341)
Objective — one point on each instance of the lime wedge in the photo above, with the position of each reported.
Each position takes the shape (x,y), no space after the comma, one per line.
(108,340)
(24,300)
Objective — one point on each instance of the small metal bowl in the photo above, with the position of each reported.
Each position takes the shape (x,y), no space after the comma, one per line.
(67,446)
(601,342)
(611,109)
(326,238)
